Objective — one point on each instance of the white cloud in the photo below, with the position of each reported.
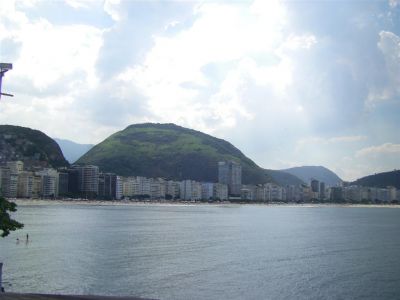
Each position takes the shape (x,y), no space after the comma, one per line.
(294,42)
(78,4)
(387,148)
(173,79)
(48,52)
(112,8)
(389,45)
(54,66)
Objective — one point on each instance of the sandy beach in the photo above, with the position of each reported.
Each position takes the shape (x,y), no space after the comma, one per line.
(27,202)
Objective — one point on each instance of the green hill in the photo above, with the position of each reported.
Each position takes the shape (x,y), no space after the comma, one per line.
(169,151)
(32,147)
(380,180)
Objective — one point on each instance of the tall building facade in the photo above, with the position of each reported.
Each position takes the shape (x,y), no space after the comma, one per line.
(220,191)
(8,182)
(49,179)
(88,180)
(190,190)
(230,173)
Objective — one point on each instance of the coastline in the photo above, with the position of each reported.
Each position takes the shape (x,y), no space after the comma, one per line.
(38,202)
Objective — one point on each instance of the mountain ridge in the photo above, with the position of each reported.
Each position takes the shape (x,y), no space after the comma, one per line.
(321,173)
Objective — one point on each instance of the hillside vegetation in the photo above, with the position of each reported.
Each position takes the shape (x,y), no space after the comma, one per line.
(31,146)
(169,151)
(381,180)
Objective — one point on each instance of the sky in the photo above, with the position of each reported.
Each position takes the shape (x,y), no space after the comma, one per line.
(289,83)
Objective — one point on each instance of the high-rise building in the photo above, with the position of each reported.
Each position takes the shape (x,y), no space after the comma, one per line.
(88,180)
(220,191)
(73,181)
(110,186)
(118,188)
(336,194)
(8,182)
(157,188)
(172,189)
(230,173)
(36,186)
(314,185)
(260,193)
(63,184)
(25,184)
(49,183)
(322,194)
(207,190)
(190,190)
(107,186)
(142,187)
(247,192)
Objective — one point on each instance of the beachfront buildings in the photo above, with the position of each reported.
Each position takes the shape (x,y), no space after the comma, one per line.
(190,190)
(49,180)
(230,173)
(9,182)
(88,182)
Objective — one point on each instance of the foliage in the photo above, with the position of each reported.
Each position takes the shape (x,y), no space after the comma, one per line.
(23,143)
(7,224)
(169,151)
(381,180)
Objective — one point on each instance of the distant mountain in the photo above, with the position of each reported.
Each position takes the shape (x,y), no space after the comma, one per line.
(71,150)
(382,180)
(306,173)
(33,147)
(169,151)
(284,178)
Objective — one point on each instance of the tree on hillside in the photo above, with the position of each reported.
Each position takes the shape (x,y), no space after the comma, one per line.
(7,224)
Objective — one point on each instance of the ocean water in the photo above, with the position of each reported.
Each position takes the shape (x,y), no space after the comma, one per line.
(206,252)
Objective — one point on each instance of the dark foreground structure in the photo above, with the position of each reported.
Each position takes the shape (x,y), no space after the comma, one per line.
(17,296)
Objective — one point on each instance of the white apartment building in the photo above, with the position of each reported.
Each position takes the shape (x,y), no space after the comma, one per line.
(220,191)
(142,186)
(260,193)
(8,182)
(190,190)
(119,188)
(207,190)
(49,179)
(157,188)
(274,192)
(25,184)
(128,186)
(172,188)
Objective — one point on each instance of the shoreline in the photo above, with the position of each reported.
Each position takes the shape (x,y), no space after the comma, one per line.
(28,202)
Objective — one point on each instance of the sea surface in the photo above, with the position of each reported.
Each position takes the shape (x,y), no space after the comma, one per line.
(205,251)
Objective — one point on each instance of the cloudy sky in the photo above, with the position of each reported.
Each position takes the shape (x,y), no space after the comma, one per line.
(288,82)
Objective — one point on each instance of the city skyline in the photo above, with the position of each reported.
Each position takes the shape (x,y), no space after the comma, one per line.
(288,83)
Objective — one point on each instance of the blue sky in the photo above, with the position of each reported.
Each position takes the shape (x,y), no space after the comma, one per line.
(288,82)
